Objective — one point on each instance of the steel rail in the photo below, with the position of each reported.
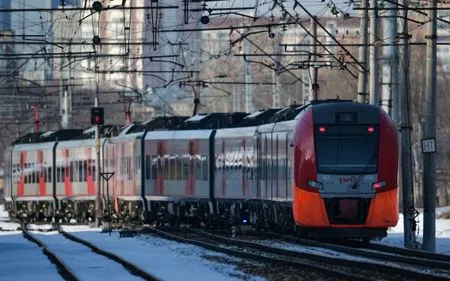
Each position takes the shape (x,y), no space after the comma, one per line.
(134,269)
(384,268)
(412,257)
(410,252)
(65,271)
(284,260)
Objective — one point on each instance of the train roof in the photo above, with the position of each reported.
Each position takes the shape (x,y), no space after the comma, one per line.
(258,117)
(49,136)
(207,121)
(156,123)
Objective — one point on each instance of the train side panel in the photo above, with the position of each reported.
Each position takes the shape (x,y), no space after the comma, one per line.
(33,177)
(235,153)
(75,169)
(176,165)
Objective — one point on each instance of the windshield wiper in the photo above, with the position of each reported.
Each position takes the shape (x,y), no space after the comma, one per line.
(356,183)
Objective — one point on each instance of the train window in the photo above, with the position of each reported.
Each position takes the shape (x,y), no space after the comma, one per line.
(179,165)
(138,162)
(164,165)
(198,168)
(148,163)
(185,167)
(49,174)
(93,174)
(347,153)
(71,171)
(173,167)
(33,173)
(26,173)
(58,174)
(80,171)
(85,170)
(30,173)
(154,167)
(75,171)
(205,168)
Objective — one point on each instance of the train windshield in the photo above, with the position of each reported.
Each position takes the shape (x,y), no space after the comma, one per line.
(346,149)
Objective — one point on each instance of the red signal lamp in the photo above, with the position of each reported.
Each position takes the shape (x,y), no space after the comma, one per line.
(371,129)
(322,129)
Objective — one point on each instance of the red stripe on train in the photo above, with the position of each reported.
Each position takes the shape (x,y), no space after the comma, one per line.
(90,181)
(42,184)
(67,182)
(189,189)
(21,186)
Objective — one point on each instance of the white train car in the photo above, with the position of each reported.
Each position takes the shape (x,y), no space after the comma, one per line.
(122,156)
(32,180)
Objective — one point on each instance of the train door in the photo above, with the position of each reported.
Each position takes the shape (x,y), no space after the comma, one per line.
(290,163)
(259,167)
(266,158)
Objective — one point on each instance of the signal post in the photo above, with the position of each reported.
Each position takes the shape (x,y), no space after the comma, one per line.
(97,119)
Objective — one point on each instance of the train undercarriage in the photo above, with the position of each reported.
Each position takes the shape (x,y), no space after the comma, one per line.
(220,214)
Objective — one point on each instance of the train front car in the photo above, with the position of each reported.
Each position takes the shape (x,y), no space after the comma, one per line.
(345,175)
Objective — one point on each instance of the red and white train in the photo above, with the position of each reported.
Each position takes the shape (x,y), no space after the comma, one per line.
(327,168)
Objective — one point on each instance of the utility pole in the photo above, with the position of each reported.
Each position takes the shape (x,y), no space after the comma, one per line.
(363,53)
(429,141)
(62,95)
(275,75)
(99,205)
(406,173)
(373,85)
(390,63)
(248,81)
(314,86)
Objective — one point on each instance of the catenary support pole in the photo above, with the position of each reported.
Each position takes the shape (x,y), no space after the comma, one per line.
(429,159)
(363,52)
(406,174)
(373,85)
(314,86)
(98,205)
(389,100)
(248,81)
(276,99)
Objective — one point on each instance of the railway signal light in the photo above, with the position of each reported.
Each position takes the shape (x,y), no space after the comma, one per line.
(97,116)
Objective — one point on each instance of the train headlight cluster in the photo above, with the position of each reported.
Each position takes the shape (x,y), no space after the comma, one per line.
(378,185)
(315,184)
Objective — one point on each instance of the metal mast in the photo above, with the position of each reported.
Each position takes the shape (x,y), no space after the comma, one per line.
(314,86)
(390,63)
(248,81)
(374,96)
(275,75)
(406,174)
(429,141)
(363,54)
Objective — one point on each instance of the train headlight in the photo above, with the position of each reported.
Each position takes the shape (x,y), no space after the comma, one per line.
(378,185)
(315,184)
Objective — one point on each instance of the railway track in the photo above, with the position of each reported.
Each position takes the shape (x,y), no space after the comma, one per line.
(329,267)
(363,265)
(376,251)
(69,273)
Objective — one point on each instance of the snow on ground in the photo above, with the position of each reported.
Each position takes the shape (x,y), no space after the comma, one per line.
(86,264)
(4,224)
(22,260)
(395,234)
(166,259)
